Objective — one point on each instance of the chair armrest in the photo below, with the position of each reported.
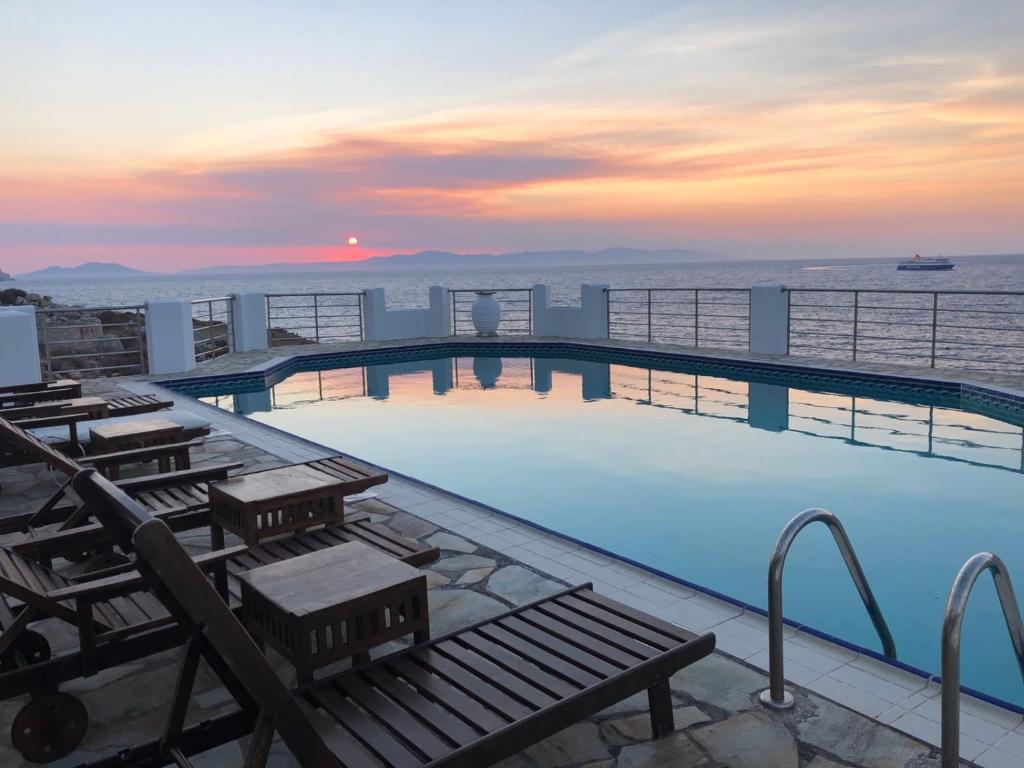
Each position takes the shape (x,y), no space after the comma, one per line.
(137,454)
(101,589)
(170,479)
(46,546)
(64,419)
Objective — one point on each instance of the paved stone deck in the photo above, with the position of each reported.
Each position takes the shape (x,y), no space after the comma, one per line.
(490,562)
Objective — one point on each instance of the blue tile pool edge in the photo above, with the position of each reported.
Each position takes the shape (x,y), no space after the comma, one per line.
(969,392)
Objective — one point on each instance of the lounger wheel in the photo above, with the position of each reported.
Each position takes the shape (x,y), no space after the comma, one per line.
(78,557)
(105,560)
(33,647)
(49,727)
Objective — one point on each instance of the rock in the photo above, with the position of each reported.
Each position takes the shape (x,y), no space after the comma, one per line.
(580,743)
(721,682)
(450,541)
(638,727)
(410,525)
(749,739)
(463,563)
(454,608)
(676,751)
(474,576)
(855,738)
(521,585)
(435,580)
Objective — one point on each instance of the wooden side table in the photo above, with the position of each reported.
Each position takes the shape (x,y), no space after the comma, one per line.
(139,433)
(333,604)
(277,501)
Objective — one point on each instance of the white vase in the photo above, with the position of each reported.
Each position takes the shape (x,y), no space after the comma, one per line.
(486,314)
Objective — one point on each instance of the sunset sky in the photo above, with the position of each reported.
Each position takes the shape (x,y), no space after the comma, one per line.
(168,134)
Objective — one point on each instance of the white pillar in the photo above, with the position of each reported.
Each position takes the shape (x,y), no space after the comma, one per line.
(439,318)
(373,314)
(19,346)
(769,319)
(594,306)
(170,340)
(541,312)
(249,321)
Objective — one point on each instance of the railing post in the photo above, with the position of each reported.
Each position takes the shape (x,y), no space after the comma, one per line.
(362,329)
(648,314)
(951,624)
(935,322)
(316,317)
(270,341)
(140,329)
(696,317)
(856,320)
(776,696)
(455,317)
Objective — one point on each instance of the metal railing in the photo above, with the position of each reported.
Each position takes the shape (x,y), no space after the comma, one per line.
(212,327)
(88,342)
(952,623)
(312,318)
(516,310)
(776,696)
(698,317)
(941,329)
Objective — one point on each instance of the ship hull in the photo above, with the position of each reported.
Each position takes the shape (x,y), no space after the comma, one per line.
(924,267)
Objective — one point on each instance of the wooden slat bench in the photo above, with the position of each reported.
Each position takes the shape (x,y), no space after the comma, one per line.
(468,699)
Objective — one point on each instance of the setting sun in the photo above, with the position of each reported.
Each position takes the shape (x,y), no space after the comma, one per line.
(353,240)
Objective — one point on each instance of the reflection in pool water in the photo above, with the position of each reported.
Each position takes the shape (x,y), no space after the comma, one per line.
(695,476)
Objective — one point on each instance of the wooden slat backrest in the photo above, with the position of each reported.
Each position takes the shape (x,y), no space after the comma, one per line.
(17,440)
(189,596)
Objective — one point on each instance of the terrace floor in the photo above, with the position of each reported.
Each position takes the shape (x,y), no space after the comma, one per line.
(851,710)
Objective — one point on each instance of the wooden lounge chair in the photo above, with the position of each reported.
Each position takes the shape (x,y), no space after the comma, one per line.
(467,699)
(19,447)
(118,620)
(26,394)
(117,406)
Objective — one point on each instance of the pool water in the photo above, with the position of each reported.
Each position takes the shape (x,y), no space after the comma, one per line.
(695,476)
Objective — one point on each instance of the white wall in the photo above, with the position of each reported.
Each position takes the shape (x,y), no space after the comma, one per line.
(19,346)
(769,319)
(383,324)
(170,341)
(587,321)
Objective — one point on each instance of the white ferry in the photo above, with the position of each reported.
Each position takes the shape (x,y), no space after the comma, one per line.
(923,263)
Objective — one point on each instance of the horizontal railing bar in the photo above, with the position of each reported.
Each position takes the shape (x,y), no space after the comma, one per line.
(132,352)
(65,310)
(916,291)
(210,301)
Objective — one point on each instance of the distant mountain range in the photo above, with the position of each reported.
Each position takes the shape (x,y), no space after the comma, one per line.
(421,260)
(446,259)
(89,269)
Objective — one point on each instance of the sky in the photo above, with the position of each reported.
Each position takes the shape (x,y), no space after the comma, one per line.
(167,135)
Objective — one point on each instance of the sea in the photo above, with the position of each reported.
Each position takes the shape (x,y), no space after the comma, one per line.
(408,288)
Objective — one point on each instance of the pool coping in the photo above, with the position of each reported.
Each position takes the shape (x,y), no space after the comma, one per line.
(1006,397)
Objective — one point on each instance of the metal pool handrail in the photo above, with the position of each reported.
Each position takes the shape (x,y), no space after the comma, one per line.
(776,696)
(951,624)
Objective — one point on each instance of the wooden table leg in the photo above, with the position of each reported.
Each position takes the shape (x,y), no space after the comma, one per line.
(216,537)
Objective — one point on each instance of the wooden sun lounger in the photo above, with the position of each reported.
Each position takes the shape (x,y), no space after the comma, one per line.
(119,620)
(468,699)
(27,394)
(131,405)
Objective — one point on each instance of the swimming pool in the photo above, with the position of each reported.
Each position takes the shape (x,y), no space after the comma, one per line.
(694,473)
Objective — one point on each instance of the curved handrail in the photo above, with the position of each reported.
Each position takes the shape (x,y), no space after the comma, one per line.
(776,696)
(951,624)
